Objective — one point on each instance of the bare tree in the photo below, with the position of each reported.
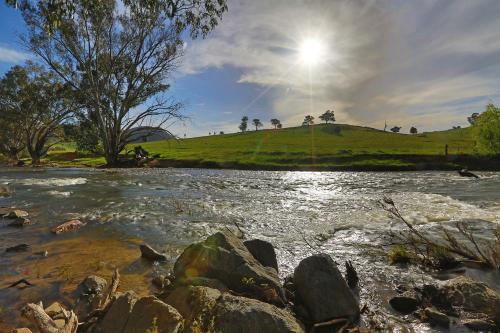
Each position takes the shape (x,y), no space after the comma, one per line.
(118,60)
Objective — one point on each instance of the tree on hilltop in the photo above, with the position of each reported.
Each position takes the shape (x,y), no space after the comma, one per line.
(308,120)
(275,122)
(396,129)
(257,123)
(328,116)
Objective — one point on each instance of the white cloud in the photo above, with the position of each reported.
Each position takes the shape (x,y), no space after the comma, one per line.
(12,56)
(385,59)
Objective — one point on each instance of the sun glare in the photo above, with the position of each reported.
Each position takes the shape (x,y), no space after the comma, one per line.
(311,51)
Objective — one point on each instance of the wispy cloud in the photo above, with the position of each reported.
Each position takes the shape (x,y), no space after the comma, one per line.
(9,55)
(405,61)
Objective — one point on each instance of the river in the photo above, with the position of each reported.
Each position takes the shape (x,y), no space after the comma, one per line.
(299,212)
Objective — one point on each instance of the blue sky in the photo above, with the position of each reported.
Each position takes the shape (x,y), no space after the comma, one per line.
(426,63)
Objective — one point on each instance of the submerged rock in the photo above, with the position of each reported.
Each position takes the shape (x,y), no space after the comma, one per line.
(5,191)
(20,222)
(148,252)
(262,251)
(118,314)
(208,310)
(18,248)
(90,294)
(16,213)
(436,318)
(68,226)
(224,257)
(321,289)
(481,325)
(404,304)
(150,313)
(21,330)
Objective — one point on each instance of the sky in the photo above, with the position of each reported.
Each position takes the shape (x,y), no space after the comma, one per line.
(425,63)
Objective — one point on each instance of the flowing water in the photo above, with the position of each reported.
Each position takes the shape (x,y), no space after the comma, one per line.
(299,212)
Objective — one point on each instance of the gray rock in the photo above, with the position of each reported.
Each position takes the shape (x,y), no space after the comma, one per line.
(321,288)
(116,318)
(224,257)
(89,295)
(202,282)
(208,310)
(473,296)
(5,192)
(262,251)
(480,325)
(159,281)
(55,310)
(437,318)
(149,313)
(148,252)
(16,213)
(18,248)
(404,304)
(20,222)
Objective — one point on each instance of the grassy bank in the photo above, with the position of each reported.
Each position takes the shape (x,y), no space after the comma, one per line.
(319,147)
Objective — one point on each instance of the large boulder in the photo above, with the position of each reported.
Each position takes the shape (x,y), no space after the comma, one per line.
(322,290)
(262,251)
(89,295)
(207,310)
(473,296)
(224,257)
(116,317)
(149,314)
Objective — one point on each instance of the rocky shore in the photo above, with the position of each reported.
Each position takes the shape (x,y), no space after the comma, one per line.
(225,284)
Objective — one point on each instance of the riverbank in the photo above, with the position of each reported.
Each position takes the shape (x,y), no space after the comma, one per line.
(226,284)
(311,148)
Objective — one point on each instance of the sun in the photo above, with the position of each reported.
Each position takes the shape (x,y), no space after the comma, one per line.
(311,51)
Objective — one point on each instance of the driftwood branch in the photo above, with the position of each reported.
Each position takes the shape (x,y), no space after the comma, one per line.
(37,315)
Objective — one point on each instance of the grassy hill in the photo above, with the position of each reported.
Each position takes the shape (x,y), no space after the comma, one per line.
(318,147)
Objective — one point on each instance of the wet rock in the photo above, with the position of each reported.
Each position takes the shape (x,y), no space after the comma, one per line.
(18,248)
(467,173)
(202,282)
(21,330)
(158,281)
(321,288)
(149,313)
(20,222)
(5,192)
(16,213)
(472,296)
(262,251)
(55,310)
(68,226)
(148,252)
(404,304)
(435,317)
(118,314)
(480,325)
(90,294)
(224,257)
(208,310)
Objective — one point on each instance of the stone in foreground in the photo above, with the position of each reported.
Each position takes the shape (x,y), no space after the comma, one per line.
(404,304)
(89,295)
(149,313)
(437,318)
(208,310)
(148,252)
(224,257)
(68,226)
(118,314)
(322,290)
(262,251)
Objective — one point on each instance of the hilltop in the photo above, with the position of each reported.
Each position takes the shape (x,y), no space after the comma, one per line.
(316,147)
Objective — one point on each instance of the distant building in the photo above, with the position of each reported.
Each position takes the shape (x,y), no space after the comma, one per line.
(148,134)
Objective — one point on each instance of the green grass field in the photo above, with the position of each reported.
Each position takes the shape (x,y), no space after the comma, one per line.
(318,147)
